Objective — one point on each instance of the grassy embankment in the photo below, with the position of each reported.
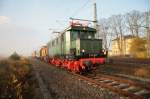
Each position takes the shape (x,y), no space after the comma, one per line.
(16,79)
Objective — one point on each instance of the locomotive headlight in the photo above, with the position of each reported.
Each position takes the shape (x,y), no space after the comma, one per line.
(83,50)
(104,51)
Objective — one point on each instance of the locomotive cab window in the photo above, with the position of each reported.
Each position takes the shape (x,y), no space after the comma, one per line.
(81,34)
(86,35)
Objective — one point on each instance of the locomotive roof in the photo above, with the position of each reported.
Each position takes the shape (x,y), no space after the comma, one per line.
(77,28)
(81,28)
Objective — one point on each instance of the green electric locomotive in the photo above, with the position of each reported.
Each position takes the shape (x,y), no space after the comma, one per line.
(76,44)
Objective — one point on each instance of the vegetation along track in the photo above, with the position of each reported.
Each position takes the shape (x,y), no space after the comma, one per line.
(131,61)
(121,86)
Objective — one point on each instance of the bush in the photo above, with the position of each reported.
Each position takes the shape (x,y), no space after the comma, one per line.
(15,56)
(16,80)
(138,48)
(142,72)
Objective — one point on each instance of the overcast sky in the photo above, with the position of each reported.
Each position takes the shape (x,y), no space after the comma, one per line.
(25,24)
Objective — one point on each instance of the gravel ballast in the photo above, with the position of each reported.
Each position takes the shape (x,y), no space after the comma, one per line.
(64,85)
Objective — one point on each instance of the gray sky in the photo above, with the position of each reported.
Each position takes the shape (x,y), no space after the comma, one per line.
(24,24)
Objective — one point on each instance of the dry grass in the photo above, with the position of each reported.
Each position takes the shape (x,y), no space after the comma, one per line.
(16,79)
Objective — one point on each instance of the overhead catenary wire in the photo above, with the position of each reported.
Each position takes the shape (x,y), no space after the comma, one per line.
(81,8)
(75,13)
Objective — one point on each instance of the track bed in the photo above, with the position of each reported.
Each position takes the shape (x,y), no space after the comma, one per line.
(65,85)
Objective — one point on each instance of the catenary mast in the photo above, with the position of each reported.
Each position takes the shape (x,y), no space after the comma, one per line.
(95,17)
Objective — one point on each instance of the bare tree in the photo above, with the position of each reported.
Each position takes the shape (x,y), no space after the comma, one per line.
(103,27)
(147,28)
(117,27)
(133,21)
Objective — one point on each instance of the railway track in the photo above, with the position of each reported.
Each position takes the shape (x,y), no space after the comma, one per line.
(126,88)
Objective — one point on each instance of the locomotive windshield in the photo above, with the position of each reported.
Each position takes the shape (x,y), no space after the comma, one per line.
(82,35)
(86,35)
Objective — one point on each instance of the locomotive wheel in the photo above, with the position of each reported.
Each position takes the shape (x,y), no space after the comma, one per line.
(88,66)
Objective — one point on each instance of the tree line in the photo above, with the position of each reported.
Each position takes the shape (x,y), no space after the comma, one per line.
(134,23)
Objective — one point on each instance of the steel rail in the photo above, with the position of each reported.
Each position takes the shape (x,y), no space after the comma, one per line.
(114,89)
